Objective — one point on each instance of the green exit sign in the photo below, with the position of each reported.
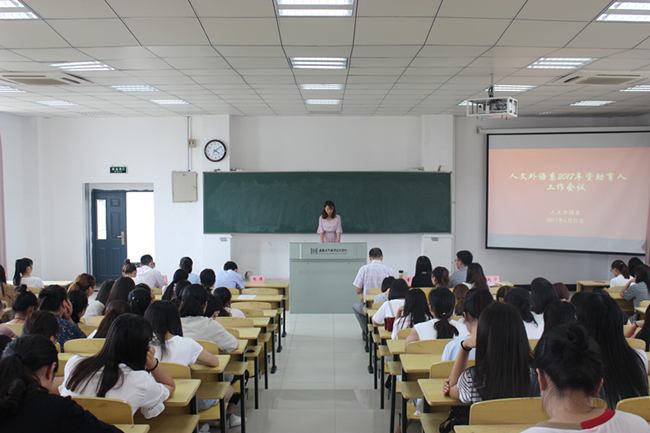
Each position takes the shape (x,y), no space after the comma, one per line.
(118,169)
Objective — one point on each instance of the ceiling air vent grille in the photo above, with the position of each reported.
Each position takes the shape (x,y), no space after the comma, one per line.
(42,79)
(593,78)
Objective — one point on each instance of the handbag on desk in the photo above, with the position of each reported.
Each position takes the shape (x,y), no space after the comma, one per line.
(389,321)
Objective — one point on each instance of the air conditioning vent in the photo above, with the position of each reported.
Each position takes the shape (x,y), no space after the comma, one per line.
(593,78)
(42,79)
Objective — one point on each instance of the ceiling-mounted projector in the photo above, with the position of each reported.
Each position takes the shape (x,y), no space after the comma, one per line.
(492,107)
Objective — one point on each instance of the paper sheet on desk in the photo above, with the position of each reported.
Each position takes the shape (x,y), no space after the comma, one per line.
(246,297)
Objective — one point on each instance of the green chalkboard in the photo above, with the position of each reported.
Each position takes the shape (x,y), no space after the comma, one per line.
(290,202)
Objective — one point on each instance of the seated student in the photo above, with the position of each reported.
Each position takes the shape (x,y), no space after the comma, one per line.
(476,277)
(626,369)
(121,289)
(621,274)
(520,298)
(169,290)
(27,372)
(215,308)
(208,278)
(463,260)
(229,277)
(226,299)
(79,303)
(187,264)
(97,306)
(558,313)
(55,299)
(441,304)
(7,293)
(23,274)
(562,291)
(638,330)
(396,297)
(504,366)
(147,288)
(113,311)
(632,264)
(139,300)
(24,304)
(148,274)
(542,293)
(42,323)
(385,289)
(637,289)
(5,330)
(571,374)
(502,292)
(440,277)
(129,269)
(4,341)
(125,368)
(422,275)
(460,292)
(414,311)
(85,283)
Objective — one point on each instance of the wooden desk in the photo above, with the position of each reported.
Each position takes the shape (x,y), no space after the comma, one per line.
(63,360)
(261,322)
(133,428)
(396,347)
(280,285)
(588,285)
(369,298)
(433,396)
(495,428)
(251,334)
(223,362)
(64,283)
(383,334)
(495,288)
(240,349)
(414,366)
(185,394)
(626,306)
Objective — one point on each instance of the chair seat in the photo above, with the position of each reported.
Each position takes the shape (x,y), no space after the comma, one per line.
(394,368)
(411,390)
(253,351)
(176,423)
(213,390)
(236,368)
(431,421)
(383,351)
(210,414)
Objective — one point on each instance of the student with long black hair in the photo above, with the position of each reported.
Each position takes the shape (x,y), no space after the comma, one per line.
(6,293)
(23,274)
(441,305)
(626,369)
(27,371)
(55,299)
(621,274)
(558,313)
(415,310)
(125,368)
(640,331)
(476,277)
(542,293)
(422,276)
(42,323)
(632,264)
(113,311)
(24,304)
(139,299)
(169,290)
(638,288)
(398,291)
(440,277)
(187,264)
(520,298)
(121,289)
(208,278)
(79,303)
(97,306)
(224,294)
(504,364)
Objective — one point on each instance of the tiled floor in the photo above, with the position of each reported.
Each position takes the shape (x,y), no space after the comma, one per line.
(322,384)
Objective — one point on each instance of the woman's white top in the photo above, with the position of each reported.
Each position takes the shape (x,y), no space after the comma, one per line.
(193,278)
(32,282)
(401,323)
(387,309)
(462,327)
(205,328)
(137,387)
(95,308)
(619,281)
(469,285)
(180,350)
(235,312)
(534,330)
(539,318)
(92,334)
(426,331)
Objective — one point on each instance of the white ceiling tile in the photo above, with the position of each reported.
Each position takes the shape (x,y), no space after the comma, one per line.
(248,72)
(419,62)
(618,64)
(391,31)
(241,31)
(139,64)
(315,51)
(385,51)
(402,8)
(94,33)
(151,9)
(47,9)
(529,33)
(250,51)
(611,35)
(258,62)
(107,54)
(53,55)
(11,56)
(25,67)
(377,71)
(317,31)
(167,31)
(481,8)
(366,62)
(466,31)
(627,54)
(451,51)
(516,51)
(440,72)
(563,10)
(183,51)
(229,8)
(29,34)
(197,63)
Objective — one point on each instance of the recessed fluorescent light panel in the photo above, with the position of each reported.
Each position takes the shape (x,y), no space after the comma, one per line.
(591,103)
(511,88)
(464,103)
(323,101)
(639,88)
(560,63)
(321,86)
(169,101)
(319,62)
(622,14)
(142,88)
(315,8)
(82,66)
(8,12)
(55,103)
(315,12)
(9,89)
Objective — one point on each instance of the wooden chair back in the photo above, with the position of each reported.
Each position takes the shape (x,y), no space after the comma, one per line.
(256,291)
(252,305)
(644,304)
(156,291)
(177,371)
(252,312)
(637,405)
(87,329)
(233,292)
(16,327)
(403,333)
(441,370)
(34,290)
(209,346)
(427,346)
(95,320)
(636,343)
(599,403)
(235,322)
(84,345)
(109,410)
(10,294)
(617,289)
(375,291)
(532,342)
(234,332)
(376,305)
(527,410)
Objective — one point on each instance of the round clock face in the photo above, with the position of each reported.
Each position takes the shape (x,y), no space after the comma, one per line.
(215,150)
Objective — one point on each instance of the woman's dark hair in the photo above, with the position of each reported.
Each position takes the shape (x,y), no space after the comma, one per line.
(476,276)
(207,278)
(129,267)
(441,274)
(113,311)
(423,266)
(571,359)
(559,313)
(139,300)
(224,294)
(520,298)
(23,300)
(143,286)
(644,333)
(194,298)
(386,283)
(127,343)
(3,280)
(632,264)
(542,293)
(179,275)
(460,292)
(502,292)
(18,380)
(4,341)
(620,266)
(42,323)
(416,307)
(163,317)
(83,283)
(442,303)
(398,289)
(186,264)
(105,291)
(562,291)
(642,275)
(329,203)
(476,301)
(180,286)
(625,374)
(21,267)
(52,297)
(215,306)
(503,357)
(79,303)
(121,289)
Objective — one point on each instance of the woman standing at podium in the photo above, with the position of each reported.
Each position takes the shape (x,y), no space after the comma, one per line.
(329,224)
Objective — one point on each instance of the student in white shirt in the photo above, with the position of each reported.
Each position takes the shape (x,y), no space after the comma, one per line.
(23,274)
(398,291)
(415,310)
(148,275)
(229,277)
(621,274)
(224,294)
(125,369)
(520,298)
(441,303)
(571,374)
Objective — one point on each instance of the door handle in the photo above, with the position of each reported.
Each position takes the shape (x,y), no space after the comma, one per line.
(121,236)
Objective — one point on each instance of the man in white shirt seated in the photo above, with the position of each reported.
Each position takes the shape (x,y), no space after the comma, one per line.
(229,277)
(148,275)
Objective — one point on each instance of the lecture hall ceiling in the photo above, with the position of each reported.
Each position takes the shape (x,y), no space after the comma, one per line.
(404,57)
